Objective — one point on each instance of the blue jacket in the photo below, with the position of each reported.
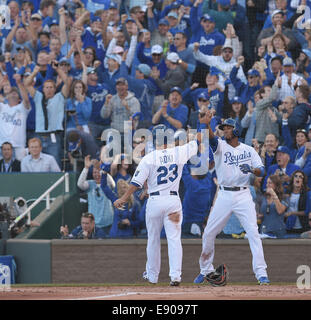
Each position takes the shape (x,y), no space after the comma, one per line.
(83,112)
(307,166)
(180,113)
(299,117)
(207,41)
(144,90)
(77,233)
(98,95)
(244,91)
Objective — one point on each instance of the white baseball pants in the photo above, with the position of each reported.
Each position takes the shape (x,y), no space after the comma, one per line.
(158,212)
(241,203)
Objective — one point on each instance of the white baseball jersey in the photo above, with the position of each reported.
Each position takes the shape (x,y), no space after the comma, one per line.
(227,162)
(13,124)
(163,168)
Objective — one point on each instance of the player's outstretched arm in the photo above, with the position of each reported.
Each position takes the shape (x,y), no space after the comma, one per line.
(121,201)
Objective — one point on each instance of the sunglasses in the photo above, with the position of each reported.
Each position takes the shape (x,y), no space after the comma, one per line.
(156,54)
(88,52)
(301,130)
(203,100)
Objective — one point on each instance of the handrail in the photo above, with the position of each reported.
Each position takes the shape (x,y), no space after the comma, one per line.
(46,195)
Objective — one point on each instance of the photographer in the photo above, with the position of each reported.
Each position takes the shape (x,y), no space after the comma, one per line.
(87,229)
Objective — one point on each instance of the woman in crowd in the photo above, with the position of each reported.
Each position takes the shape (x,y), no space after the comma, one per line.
(272,209)
(125,221)
(299,199)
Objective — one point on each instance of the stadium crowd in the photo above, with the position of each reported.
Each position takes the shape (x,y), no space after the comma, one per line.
(72,70)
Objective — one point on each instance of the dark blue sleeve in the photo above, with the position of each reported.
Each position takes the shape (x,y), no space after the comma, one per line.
(237,83)
(108,192)
(10,71)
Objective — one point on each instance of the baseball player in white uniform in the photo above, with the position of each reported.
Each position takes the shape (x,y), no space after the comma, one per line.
(234,162)
(162,169)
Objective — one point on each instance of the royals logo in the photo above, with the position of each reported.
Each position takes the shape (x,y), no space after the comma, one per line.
(232,159)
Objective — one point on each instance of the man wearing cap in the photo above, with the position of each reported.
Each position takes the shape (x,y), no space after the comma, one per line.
(112,73)
(175,76)
(144,89)
(266,35)
(204,31)
(225,63)
(281,5)
(13,117)
(245,91)
(121,106)
(289,79)
(222,15)
(97,92)
(284,168)
(18,37)
(172,113)
(158,32)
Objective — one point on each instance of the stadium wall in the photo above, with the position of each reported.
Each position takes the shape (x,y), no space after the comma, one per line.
(123,261)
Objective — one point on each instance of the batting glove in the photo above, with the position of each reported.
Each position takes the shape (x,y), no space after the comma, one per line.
(246,168)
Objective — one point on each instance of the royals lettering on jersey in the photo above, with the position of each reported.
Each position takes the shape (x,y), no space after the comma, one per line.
(238,159)
(227,162)
(163,168)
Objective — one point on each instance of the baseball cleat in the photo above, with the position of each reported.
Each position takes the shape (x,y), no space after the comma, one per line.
(174,283)
(263,281)
(145,277)
(199,278)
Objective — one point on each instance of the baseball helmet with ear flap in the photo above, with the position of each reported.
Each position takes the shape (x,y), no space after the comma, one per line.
(232,123)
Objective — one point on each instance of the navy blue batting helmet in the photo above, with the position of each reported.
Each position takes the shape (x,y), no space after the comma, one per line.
(232,123)
(158,131)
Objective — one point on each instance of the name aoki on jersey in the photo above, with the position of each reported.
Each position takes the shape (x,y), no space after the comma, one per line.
(231,159)
(166,159)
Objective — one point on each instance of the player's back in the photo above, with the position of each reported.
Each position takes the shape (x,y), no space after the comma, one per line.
(163,168)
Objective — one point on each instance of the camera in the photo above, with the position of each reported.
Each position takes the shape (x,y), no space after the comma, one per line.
(122,226)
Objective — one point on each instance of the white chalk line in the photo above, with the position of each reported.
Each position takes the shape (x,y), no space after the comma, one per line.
(131,293)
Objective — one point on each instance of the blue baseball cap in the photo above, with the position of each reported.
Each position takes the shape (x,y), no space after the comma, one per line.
(113,5)
(53,22)
(214,72)
(64,59)
(236,100)
(163,21)
(173,14)
(203,95)
(95,18)
(283,149)
(175,5)
(224,2)
(253,72)
(177,89)
(129,19)
(207,17)
(144,68)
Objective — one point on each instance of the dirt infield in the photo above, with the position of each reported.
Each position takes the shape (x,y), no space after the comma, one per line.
(157,292)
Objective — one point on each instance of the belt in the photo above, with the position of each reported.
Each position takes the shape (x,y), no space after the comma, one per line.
(172,193)
(232,188)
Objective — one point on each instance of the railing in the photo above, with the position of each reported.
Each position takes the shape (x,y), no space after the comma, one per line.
(45,195)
